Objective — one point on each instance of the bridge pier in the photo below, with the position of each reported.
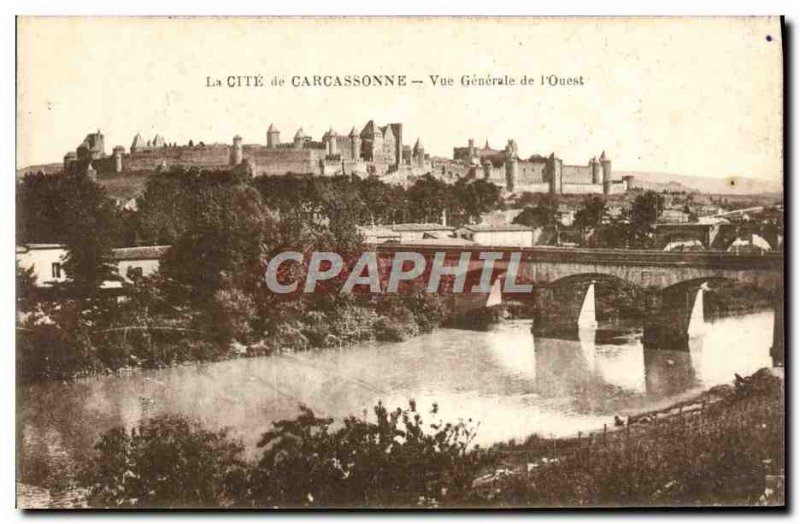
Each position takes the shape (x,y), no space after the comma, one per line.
(778,334)
(560,312)
(672,318)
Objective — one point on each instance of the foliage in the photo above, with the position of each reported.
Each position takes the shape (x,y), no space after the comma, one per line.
(591,212)
(717,457)
(165,462)
(643,217)
(397,460)
(541,215)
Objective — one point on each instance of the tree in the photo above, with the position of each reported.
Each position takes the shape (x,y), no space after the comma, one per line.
(643,217)
(539,216)
(427,198)
(591,213)
(476,197)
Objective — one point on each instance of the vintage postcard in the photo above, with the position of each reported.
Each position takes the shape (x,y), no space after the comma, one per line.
(415,262)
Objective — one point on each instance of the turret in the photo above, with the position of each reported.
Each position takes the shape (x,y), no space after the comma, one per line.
(69,159)
(118,151)
(605,166)
(273,137)
(418,154)
(629,182)
(471,148)
(237,153)
(512,166)
(595,165)
(397,130)
(355,144)
(330,142)
(555,166)
(299,139)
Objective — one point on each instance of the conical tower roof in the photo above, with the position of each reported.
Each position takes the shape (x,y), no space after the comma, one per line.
(138,141)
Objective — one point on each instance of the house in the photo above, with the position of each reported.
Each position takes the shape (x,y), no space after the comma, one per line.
(46,260)
(498,235)
(137,261)
(378,234)
(565,215)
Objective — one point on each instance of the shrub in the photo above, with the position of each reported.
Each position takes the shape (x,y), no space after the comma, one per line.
(165,462)
(395,461)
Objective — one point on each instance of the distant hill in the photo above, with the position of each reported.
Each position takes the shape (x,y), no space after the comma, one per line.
(45,168)
(730,186)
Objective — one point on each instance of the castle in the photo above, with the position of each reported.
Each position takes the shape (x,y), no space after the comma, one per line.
(537,174)
(374,151)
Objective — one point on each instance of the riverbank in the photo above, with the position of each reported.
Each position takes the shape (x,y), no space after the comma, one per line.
(724,447)
(56,344)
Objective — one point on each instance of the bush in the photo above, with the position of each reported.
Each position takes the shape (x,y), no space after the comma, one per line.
(166,462)
(395,461)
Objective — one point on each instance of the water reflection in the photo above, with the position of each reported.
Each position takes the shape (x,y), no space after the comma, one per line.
(512,383)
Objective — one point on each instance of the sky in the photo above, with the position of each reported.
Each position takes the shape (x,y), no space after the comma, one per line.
(693,96)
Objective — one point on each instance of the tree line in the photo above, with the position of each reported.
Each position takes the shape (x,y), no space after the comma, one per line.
(209,300)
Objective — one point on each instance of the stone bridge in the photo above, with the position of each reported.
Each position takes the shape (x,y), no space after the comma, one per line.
(670,280)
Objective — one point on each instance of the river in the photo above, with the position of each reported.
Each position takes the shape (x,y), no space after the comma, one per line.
(510,383)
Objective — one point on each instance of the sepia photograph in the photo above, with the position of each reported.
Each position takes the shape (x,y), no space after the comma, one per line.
(430,263)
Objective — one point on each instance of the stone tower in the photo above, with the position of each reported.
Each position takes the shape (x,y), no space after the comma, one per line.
(555,166)
(118,151)
(355,144)
(273,137)
(595,165)
(69,159)
(330,142)
(299,139)
(605,166)
(471,148)
(397,131)
(418,154)
(237,153)
(512,165)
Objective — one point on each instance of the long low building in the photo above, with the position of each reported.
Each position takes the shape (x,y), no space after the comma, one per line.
(498,235)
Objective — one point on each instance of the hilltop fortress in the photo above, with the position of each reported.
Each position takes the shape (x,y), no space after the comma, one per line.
(537,174)
(374,151)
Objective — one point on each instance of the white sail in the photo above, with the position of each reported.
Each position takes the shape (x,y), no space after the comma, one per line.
(697,323)
(496,295)
(587,317)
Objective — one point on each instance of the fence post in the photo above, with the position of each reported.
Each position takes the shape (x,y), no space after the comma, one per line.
(605,430)
(579,440)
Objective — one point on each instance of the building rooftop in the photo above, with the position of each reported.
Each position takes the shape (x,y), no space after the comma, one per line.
(139,253)
(481,228)
(421,227)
